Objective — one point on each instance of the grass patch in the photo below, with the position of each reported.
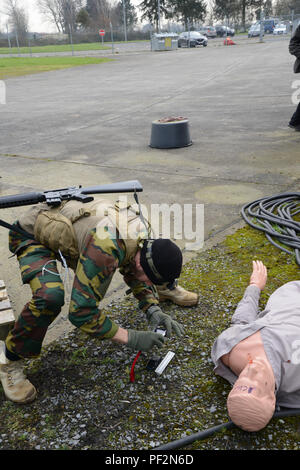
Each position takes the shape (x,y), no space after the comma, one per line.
(93,46)
(15,67)
(54,48)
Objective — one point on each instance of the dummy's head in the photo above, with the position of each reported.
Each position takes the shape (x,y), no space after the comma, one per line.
(161,260)
(251,402)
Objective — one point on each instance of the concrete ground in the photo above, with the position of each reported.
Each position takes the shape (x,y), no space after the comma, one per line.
(92,125)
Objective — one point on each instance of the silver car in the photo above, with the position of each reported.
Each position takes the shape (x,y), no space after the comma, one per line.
(254,31)
(208,31)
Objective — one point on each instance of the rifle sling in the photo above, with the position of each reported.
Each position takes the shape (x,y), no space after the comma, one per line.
(17,229)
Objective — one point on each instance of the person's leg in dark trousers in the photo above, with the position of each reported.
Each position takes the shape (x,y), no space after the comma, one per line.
(295,119)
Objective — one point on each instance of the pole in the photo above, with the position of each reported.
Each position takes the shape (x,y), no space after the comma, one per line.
(112,38)
(29,45)
(18,45)
(71,39)
(158,15)
(227,29)
(9,43)
(262,28)
(124,20)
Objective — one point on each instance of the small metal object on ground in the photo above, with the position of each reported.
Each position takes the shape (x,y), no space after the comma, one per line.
(171,132)
(163,364)
(7,318)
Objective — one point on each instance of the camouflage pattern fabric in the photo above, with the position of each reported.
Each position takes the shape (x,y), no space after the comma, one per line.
(25,339)
(95,268)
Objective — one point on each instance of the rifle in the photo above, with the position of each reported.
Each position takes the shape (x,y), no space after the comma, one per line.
(55,197)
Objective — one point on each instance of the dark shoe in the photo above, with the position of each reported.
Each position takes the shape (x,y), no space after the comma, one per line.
(296,127)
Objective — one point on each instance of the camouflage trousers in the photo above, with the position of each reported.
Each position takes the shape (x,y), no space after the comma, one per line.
(26,337)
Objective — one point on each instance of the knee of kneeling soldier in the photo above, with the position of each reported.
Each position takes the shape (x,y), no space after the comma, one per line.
(52,301)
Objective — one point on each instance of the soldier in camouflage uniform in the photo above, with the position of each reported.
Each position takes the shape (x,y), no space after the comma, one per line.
(92,238)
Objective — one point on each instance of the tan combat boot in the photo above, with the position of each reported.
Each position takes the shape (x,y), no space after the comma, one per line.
(178,296)
(15,385)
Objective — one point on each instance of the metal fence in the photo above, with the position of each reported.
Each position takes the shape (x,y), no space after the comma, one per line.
(31,40)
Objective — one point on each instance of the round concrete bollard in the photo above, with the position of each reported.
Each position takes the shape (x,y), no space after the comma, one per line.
(169,133)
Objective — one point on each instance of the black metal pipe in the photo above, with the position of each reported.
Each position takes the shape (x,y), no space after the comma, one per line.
(199,436)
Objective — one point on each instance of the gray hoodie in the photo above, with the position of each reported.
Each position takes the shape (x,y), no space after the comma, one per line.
(279,325)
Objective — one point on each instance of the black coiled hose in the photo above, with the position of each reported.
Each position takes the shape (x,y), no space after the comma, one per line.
(274,215)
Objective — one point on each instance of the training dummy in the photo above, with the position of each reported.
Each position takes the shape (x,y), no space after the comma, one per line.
(259,354)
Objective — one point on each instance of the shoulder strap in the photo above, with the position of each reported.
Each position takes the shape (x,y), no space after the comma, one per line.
(17,229)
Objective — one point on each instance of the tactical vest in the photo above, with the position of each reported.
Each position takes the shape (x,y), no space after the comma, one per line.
(66,227)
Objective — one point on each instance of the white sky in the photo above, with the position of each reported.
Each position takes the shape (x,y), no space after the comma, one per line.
(37,22)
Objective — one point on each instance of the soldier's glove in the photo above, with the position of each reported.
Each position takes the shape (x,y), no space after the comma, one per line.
(144,340)
(157,318)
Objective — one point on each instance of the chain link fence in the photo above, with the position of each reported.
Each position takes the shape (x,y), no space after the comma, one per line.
(31,43)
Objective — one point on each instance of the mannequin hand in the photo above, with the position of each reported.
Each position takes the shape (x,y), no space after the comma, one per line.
(259,275)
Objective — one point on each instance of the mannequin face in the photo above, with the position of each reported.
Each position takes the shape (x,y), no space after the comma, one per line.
(138,270)
(257,378)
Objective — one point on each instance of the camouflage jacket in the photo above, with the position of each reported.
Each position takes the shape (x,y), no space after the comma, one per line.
(97,264)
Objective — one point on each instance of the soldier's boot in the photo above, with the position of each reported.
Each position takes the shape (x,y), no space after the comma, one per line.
(15,385)
(178,295)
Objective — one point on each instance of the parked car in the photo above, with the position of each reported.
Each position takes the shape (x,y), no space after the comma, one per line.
(270,24)
(223,31)
(280,29)
(192,39)
(254,31)
(208,31)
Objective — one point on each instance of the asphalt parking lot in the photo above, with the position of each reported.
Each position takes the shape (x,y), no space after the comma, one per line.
(92,125)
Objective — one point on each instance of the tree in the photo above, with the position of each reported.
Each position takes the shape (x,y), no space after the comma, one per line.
(83,19)
(237,11)
(227,9)
(284,7)
(100,13)
(17,20)
(150,11)
(187,11)
(263,5)
(62,13)
(51,10)
(130,14)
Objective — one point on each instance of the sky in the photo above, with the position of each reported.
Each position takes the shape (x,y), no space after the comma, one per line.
(37,22)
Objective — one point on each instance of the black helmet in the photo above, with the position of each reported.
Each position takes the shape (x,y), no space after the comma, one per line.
(161,260)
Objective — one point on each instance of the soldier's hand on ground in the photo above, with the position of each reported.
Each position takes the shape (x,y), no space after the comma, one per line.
(259,274)
(156,318)
(144,340)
